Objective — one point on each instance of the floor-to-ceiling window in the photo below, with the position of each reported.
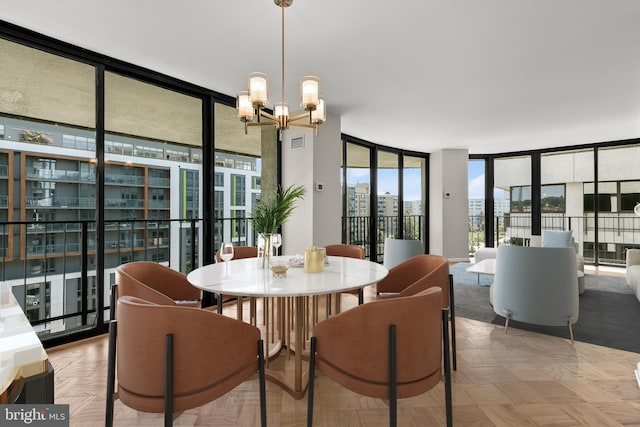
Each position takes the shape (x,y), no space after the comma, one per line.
(102,163)
(512,199)
(47,180)
(564,176)
(153,170)
(387,206)
(384,195)
(245,166)
(476,188)
(616,227)
(414,183)
(591,190)
(357,223)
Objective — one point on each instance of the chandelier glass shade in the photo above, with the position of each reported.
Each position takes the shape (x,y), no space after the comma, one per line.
(251,104)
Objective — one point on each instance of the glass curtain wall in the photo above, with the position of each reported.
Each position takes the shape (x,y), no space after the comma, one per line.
(614,199)
(476,186)
(398,180)
(413,189)
(245,167)
(153,176)
(565,175)
(47,176)
(387,199)
(358,197)
(512,200)
(595,202)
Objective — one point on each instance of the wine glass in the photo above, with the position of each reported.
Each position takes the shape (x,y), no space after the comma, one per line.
(226,253)
(276,241)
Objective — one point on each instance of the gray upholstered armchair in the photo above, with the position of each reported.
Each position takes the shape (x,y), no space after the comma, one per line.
(536,285)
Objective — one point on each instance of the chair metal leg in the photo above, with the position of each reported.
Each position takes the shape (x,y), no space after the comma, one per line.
(111,372)
(447,369)
(312,377)
(113,299)
(168,382)
(452,314)
(261,377)
(570,331)
(393,378)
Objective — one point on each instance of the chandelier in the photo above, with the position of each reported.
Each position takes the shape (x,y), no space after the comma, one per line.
(251,103)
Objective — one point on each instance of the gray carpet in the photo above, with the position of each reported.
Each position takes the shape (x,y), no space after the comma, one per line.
(609,312)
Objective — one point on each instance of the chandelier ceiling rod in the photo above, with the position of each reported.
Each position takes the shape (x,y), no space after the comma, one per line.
(282,6)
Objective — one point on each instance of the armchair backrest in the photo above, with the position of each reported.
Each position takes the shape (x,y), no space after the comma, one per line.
(212,354)
(344,250)
(353,347)
(154,282)
(240,252)
(536,285)
(424,271)
(438,275)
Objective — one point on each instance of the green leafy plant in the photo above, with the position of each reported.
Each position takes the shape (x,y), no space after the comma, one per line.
(272,211)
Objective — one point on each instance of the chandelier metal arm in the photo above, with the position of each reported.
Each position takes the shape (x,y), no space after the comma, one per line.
(300,116)
(266,115)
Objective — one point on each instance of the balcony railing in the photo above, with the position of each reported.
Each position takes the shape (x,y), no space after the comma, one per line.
(124,203)
(615,233)
(62,202)
(57,260)
(358,231)
(111,178)
(59,175)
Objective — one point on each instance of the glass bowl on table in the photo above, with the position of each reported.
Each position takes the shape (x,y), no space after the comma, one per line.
(279,268)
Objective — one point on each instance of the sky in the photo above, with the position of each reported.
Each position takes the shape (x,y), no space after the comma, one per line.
(476,180)
(388,181)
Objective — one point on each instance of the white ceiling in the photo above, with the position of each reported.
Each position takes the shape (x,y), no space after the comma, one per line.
(487,75)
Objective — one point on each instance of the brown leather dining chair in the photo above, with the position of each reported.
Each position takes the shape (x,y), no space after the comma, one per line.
(156,283)
(171,358)
(417,274)
(386,349)
(349,251)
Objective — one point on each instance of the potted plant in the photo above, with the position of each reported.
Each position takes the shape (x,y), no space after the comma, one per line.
(270,212)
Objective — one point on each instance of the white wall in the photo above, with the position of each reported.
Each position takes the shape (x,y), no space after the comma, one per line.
(317,218)
(448,199)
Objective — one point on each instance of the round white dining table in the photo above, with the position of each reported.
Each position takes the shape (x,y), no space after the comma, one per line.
(246,277)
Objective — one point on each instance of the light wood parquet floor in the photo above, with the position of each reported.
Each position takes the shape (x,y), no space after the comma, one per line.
(515,379)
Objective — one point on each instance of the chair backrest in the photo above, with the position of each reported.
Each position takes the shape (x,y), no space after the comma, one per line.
(240,252)
(344,250)
(398,250)
(212,354)
(415,274)
(536,285)
(438,275)
(352,347)
(155,283)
